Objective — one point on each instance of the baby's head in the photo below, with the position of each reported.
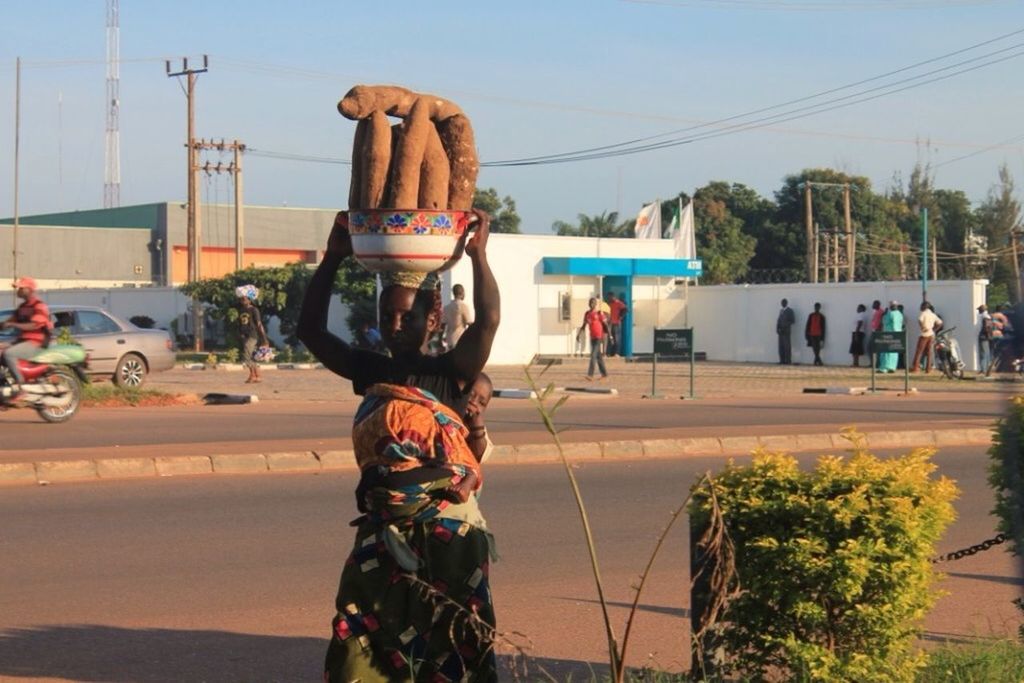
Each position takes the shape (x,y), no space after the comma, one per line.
(478,396)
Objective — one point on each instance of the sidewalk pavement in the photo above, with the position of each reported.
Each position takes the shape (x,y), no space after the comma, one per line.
(629,379)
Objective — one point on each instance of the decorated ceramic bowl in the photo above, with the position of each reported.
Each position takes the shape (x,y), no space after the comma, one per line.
(418,241)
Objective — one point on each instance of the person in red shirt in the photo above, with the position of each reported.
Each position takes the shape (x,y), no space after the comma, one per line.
(32,320)
(617,310)
(815,332)
(596,323)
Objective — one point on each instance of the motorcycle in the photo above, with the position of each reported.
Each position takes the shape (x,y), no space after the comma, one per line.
(947,354)
(53,382)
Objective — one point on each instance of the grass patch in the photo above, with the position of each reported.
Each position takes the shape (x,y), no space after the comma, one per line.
(112,396)
(1000,661)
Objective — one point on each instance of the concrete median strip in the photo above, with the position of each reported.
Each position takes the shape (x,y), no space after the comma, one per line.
(60,471)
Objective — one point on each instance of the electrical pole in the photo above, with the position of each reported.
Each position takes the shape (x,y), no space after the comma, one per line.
(924,253)
(235,170)
(835,251)
(1016,263)
(851,241)
(239,213)
(812,243)
(17,149)
(828,262)
(112,184)
(194,227)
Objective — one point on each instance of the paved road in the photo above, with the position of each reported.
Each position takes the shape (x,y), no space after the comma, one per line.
(232,578)
(293,425)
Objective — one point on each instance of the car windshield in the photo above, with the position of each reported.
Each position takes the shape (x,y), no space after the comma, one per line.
(8,334)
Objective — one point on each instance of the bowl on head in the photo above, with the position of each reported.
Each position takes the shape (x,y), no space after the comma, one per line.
(415,240)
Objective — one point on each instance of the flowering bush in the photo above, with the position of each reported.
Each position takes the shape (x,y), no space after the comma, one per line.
(833,565)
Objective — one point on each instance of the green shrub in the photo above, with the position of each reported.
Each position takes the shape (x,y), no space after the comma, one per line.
(1006,472)
(231,355)
(833,565)
(286,355)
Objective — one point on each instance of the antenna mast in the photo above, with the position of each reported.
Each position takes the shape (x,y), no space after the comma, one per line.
(112,177)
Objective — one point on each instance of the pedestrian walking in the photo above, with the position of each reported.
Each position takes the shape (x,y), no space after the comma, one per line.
(596,324)
(814,332)
(783,328)
(860,330)
(927,322)
(250,329)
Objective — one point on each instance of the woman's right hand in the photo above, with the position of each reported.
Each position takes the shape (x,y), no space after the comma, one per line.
(340,241)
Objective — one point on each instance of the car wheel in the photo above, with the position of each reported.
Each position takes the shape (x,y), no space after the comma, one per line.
(131,371)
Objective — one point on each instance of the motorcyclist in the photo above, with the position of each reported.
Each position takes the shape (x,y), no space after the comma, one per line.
(32,320)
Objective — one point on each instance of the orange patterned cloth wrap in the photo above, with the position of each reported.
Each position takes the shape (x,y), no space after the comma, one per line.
(399,428)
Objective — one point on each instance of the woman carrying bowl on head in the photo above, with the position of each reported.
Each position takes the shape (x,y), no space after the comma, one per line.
(422,544)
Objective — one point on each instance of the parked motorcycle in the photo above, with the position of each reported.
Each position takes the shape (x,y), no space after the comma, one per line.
(53,382)
(947,354)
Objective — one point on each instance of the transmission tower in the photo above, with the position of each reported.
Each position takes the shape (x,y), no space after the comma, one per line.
(112,177)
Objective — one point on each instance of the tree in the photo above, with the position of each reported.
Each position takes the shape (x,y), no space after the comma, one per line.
(281,292)
(503,211)
(999,218)
(605,224)
(721,243)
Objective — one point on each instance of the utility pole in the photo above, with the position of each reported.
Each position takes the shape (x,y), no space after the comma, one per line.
(924,253)
(851,239)
(812,249)
(835,250)
(1016,263)
(235,170)
(828,262)
(194,227)
(112,184)
(17,149)
(935,260)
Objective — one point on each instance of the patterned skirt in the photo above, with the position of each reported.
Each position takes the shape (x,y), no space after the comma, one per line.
(433,624)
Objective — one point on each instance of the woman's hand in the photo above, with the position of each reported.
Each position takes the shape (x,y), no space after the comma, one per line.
(477,244)
(340,241)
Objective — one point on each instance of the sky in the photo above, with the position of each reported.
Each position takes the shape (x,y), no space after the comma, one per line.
(535,77)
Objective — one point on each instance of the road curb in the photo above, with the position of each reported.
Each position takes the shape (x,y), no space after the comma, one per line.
(107,469)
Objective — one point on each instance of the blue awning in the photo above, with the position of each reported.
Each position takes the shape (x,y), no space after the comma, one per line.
(643,267)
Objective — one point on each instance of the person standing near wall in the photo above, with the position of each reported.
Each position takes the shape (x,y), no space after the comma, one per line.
(860,328)
(876,326)
(456,317)
(595,322)
(814,332)
(617,309)
(892,321)
(783,328)
(985,340)
(927,323)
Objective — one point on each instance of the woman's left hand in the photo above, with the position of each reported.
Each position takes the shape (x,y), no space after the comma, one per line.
(477,244)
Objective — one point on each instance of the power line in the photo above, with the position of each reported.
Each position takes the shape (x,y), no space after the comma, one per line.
(997,145)
(819,6)
(821,107)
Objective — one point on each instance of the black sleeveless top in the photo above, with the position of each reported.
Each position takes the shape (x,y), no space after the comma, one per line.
(435,374)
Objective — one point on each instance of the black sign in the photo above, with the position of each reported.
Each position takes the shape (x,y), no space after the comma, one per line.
(889,342)
(673,342)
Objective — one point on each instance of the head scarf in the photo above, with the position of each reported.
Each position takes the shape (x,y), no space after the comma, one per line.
(428,281)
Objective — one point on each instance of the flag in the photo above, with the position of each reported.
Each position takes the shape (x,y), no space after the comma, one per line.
(648,222)
(683,232)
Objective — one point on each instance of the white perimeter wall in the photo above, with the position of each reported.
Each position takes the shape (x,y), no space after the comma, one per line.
(530,300)
(737,322)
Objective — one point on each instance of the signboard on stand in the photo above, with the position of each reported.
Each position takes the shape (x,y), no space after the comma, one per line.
(675,343)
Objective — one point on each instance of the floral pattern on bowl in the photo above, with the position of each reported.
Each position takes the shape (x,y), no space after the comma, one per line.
(393,222)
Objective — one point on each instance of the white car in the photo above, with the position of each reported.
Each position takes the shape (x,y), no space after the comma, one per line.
(116,348)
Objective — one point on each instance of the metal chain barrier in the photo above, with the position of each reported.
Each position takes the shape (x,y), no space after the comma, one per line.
(972,550)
